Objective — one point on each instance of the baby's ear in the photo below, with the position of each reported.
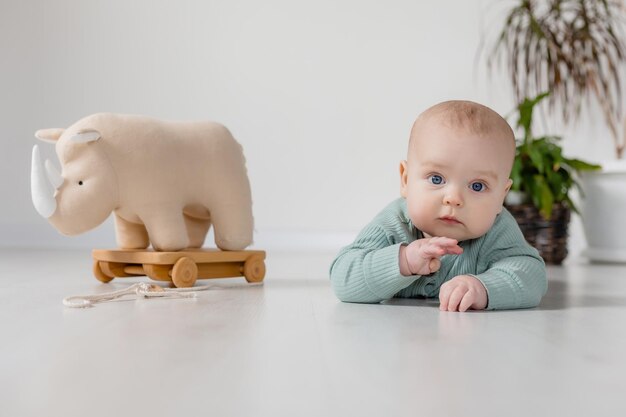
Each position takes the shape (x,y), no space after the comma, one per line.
(509,183)
(49,135)
(507,188)
(404,172)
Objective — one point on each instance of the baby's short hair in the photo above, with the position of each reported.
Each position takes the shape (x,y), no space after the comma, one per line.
(466,115)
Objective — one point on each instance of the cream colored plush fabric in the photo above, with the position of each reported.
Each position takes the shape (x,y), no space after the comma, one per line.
(165,182)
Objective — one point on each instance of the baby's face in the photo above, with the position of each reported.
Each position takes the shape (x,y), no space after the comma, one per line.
(455,181)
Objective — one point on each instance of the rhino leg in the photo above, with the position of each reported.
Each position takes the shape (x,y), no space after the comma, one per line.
(130,235)
(197,228)
(166,229)
(233,226)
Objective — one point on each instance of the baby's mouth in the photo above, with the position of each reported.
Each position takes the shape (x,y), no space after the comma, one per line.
(451,220)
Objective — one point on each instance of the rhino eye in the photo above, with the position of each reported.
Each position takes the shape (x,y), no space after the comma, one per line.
(80,183)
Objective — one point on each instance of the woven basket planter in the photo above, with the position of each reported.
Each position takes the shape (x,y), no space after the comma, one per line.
(549,237)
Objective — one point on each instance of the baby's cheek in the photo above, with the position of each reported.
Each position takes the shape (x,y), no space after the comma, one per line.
(419,216)
(482,225)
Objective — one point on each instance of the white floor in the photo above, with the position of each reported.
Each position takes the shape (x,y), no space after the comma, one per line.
(289,348)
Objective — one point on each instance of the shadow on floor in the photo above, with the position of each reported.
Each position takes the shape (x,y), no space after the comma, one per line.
(559,297)
(414,302)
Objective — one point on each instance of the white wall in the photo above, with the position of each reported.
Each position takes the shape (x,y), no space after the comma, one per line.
(321,94)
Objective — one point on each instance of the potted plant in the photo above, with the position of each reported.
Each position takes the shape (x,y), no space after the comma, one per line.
(542,179)
(572,49)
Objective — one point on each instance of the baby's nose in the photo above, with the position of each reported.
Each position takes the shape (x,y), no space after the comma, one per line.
(453,199)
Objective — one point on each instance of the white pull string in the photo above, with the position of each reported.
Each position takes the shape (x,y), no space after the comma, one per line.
(141,289)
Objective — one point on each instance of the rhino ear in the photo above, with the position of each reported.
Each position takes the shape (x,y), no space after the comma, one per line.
(49,135)
(87,135)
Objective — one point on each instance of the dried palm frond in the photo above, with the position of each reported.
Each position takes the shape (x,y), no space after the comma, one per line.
(570,48)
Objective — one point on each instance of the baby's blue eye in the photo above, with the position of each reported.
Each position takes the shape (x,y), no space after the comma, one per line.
(435,179)
(478,186)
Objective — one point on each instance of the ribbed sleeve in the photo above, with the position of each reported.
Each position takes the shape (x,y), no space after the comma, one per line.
(516,282)
(510,269)
(368,276)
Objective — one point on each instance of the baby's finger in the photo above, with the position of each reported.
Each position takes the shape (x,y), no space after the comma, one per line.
(454,249)
(447,245)
(468,299)
(444,296)
(445,241)
(435,248)
(437,251)
(434,264)
(455,298)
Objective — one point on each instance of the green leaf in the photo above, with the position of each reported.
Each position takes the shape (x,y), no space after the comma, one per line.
(580,189)
(579,165)
(556,183)
(526,108)
(546,198)
(571,205)
(537,157)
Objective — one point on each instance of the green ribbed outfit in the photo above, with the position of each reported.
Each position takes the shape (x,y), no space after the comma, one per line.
(368,271)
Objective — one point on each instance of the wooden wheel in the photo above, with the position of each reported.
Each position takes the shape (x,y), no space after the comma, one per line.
(184,273)
(99,274)
(254,269)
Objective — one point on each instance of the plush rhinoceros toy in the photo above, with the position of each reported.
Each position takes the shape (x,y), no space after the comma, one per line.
(166,182)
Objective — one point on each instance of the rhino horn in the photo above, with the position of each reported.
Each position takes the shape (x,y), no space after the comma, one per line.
(54,176)
(41,188)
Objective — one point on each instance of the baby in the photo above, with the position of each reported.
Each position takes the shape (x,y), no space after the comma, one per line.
(449,235)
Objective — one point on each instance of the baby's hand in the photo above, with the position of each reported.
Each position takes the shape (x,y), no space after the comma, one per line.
(421,257)
(461,293)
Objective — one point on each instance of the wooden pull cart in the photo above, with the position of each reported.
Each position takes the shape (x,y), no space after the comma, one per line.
(180,268)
